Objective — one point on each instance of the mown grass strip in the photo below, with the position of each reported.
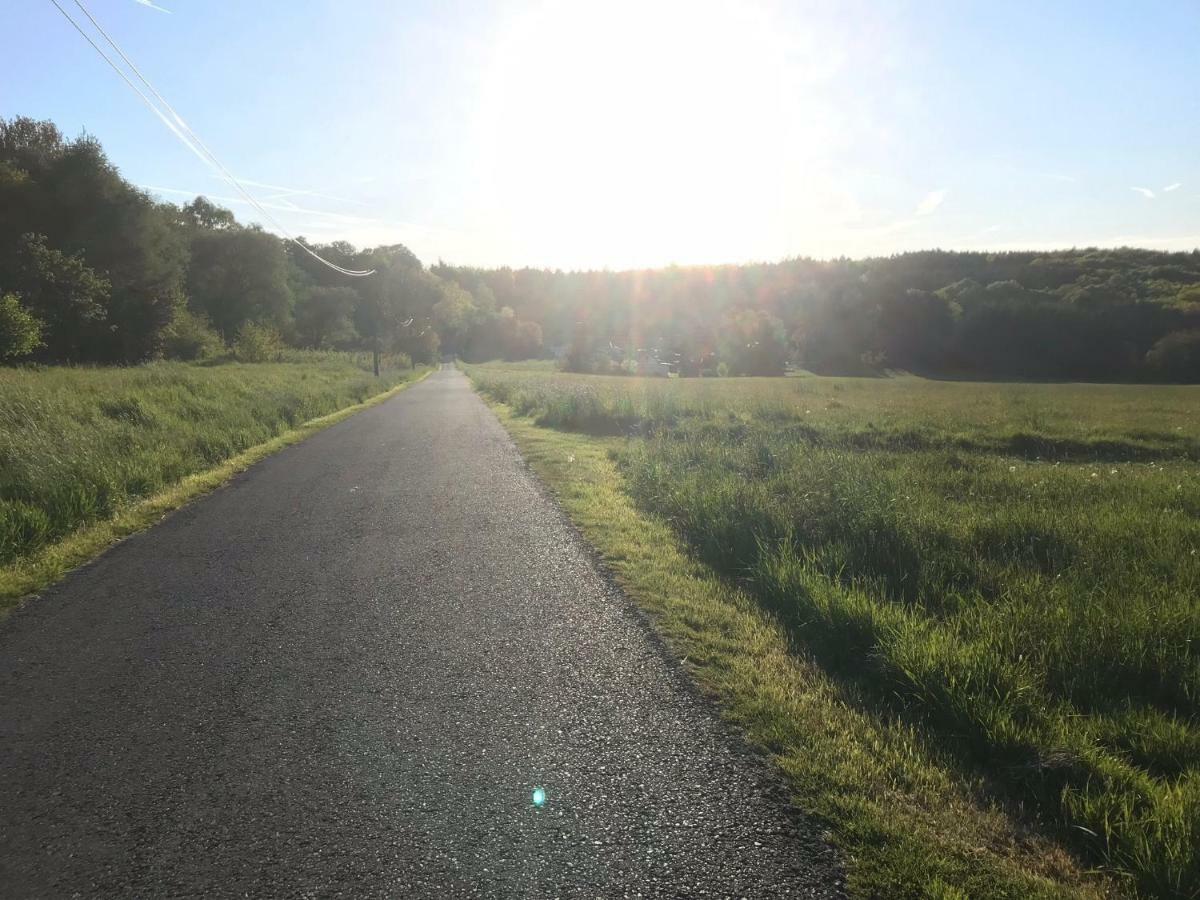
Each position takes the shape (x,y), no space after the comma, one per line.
(50,563)
(910,822)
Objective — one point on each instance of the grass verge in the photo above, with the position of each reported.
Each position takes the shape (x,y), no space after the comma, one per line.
(910,821)
(35,571)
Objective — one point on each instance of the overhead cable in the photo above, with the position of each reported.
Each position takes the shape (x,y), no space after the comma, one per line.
(177,126)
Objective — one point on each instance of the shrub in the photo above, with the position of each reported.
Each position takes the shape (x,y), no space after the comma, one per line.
(190,337)
(257,343)
(20,330)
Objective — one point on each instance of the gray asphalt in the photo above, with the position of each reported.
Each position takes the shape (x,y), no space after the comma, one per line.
(344,674)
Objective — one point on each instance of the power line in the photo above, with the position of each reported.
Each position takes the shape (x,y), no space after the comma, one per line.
(150,103)
(209,157)
(184,132)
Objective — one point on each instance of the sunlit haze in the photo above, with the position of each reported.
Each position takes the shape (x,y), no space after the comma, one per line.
(623,134)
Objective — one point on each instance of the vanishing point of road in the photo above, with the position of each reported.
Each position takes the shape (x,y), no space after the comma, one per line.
(346,672)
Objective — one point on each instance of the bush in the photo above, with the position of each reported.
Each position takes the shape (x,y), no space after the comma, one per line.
(189,337)
(257,343)
(20,330)
(396,361)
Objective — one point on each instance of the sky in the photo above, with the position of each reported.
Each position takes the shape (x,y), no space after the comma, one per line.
(622,134)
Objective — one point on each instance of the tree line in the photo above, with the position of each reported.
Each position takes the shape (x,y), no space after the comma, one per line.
(94,270)
(1087,314)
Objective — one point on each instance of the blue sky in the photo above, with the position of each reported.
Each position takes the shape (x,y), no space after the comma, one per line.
(642,133)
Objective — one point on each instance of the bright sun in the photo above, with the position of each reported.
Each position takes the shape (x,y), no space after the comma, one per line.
(642,133)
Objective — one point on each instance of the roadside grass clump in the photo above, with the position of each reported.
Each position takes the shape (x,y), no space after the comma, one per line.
(1012,570)
(79,444)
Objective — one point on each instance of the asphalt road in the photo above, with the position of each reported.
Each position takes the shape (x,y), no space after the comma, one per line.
(345,673)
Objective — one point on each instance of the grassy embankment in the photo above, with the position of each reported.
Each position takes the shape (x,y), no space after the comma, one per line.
(88,455)
(963,618)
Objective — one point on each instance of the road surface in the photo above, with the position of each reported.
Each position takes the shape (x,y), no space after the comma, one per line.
(346,672)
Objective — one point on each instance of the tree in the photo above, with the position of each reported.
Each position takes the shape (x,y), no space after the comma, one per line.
(915,329)
(454,315)
(201,213)
(71,194)
(584,352)
(753,343)
(395,307)
(323,316)
(1177,356)
(527,342)
(20,330)
(239,275)
(67,297)
(834,333)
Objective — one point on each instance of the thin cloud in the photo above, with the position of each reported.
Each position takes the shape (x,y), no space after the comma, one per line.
(149,5)
(279,206)
(932,201)
(283,192)
(1145,192)
(1172,187)
(334,220)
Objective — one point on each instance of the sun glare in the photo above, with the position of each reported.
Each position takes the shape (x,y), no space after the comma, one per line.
(658,132)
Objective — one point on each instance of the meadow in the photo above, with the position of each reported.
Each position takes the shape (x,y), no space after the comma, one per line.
(77,445)
(1012,571)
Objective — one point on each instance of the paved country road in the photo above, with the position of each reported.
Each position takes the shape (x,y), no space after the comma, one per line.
(344,673)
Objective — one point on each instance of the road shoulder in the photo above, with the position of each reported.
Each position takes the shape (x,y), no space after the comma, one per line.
(907,824)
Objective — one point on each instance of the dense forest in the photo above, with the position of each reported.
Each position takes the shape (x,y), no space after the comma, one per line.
(94,270)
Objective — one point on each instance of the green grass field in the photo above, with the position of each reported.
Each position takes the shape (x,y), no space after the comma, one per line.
(78,445)
(1011,572)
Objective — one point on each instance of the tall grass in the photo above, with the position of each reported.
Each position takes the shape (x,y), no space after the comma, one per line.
(1013,568)
(78,443)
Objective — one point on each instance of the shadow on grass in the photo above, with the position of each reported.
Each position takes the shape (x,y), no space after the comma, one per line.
(995,747)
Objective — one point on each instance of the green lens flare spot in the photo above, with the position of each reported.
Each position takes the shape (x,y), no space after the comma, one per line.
(539,797)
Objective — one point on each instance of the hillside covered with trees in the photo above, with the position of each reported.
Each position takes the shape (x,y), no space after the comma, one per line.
(95,270)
